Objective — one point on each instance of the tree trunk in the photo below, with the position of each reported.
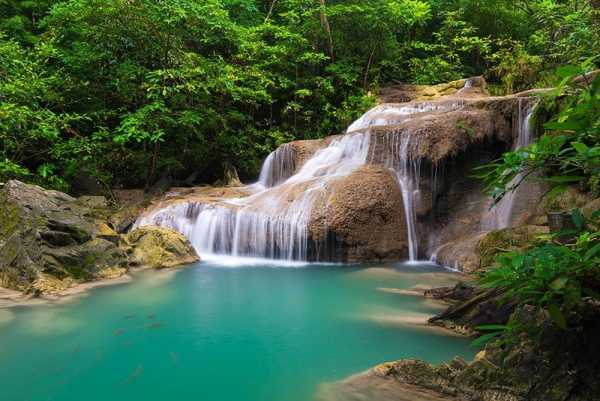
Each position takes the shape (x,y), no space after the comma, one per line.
(366,78)
(326,28)
(268,17)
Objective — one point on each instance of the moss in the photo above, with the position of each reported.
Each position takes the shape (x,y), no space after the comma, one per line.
(566,201)
(509,239)
(159,247)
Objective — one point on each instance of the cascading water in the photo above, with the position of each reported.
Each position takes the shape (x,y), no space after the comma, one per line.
(397,156)
(390,114)
(278,166)
(407,172)
(467,86)
(274,221)
(501,214)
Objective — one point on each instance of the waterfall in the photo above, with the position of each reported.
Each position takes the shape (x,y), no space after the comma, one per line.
(278,166)
(501,214)
(390,114)
(272,223)
(468,84)
(407,171)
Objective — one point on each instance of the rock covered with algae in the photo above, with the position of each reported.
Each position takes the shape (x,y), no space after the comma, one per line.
(50,241)
(159,247)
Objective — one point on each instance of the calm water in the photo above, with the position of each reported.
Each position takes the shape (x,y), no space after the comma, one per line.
(216,333)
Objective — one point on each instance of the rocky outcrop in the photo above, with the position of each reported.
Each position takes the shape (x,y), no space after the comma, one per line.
(50,241)
(439,133)
(506,240)
(471,307)
(401,93)
(362,218)
(556,365)
(159,247)
(477,251)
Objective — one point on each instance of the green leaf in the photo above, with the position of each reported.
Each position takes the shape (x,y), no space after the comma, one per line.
(484,339)
(559,179)
(559,283)
(581,148)
(592,252)
(563,126)
(578,218)
(568,71)
(557,190)
(489,327)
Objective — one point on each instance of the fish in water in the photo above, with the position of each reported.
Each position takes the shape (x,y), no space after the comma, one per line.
(118,332)
(154,325)
(173,356)
(137,372)
(152,316)
(128,317)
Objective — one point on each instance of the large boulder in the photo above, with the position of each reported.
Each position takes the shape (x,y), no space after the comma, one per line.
(159,247)
(50,241)
(363,219)
(48,235)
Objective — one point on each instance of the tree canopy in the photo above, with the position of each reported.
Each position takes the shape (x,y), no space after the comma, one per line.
(128,90)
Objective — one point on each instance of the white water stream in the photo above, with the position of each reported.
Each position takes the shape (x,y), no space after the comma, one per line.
(502,212)
(274,222)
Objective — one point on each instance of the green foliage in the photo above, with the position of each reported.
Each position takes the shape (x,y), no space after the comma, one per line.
(130,90)
(515,67)
(569,150)
(553,276)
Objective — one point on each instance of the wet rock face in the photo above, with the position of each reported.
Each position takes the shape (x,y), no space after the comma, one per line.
(50,241)
(362,219)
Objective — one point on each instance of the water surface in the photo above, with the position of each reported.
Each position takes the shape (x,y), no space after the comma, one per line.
(216,333)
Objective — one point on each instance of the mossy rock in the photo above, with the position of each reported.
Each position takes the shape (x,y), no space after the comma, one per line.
(566,201)
(159,247)
(508,239)
(50,240)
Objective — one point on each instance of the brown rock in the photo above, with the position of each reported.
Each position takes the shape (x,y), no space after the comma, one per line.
(461,254)
(363,217)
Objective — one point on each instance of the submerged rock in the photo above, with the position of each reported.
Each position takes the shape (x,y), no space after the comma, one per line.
(159,247)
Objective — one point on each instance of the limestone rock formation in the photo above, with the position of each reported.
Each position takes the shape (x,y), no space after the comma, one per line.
(159,247)
(50,241)
(47,234)
(332,199)
(479,250)
(362,218)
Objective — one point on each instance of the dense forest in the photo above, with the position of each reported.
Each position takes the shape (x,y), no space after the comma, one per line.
(131,91)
